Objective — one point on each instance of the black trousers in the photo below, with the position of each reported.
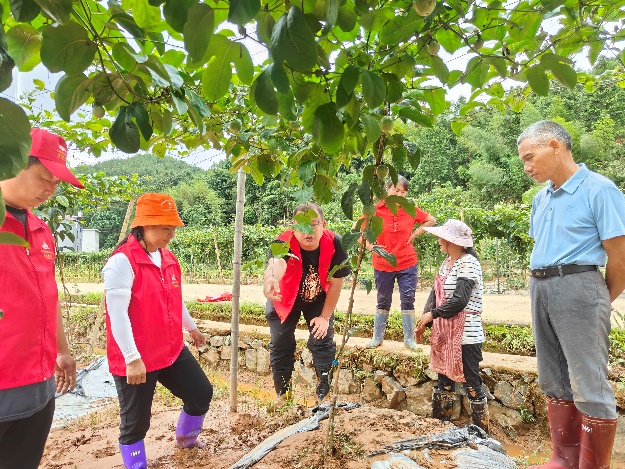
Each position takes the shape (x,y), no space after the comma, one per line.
(22,441)
(184,378)
(282,345)
(471,358)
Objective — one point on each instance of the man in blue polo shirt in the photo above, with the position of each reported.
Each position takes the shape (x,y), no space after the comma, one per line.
(577,221)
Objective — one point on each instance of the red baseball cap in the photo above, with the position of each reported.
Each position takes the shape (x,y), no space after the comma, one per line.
(51,151)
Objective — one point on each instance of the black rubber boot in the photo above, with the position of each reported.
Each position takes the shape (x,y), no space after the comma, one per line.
(323,388)
(479,414)
(282,382)
(442,404)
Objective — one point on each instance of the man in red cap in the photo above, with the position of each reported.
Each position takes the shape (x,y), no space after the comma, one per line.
(35,361)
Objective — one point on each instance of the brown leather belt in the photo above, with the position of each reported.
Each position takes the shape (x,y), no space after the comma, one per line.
(562,270)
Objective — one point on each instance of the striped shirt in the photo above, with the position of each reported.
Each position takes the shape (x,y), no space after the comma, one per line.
(469,267)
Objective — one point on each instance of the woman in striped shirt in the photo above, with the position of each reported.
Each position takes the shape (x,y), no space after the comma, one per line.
(455,305)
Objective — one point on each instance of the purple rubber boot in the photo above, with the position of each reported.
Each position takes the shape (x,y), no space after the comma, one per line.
(188,429)
(134,455)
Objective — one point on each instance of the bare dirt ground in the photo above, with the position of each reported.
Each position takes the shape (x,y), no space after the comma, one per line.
(512,308)
(91,441)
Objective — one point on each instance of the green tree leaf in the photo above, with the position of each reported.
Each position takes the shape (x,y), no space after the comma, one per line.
(327,129)
(400,28)
(146,16)
(349,239)
(70,93)
(564,73)
(58,10)
(243,11)
(124,132)
(347,201)
(24,11)
(264,94)
(349,78)
(537,79)
(12,239)
(450,40)
(372,127)
(15,140)
(197,102)
(436,99)
(293,42)
(331,16)
(373,88)
(176,13)
(218,75)
(198,31)
(142,118)
(394,87)
(415,115)
(67,48)
(323,187)
(24,43)
(439,68)
(346,19)
(279,78)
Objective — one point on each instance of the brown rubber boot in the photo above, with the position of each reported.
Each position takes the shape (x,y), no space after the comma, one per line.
(597,440)
(565,424)
(442,404)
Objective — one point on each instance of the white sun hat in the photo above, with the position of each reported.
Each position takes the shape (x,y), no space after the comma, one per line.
(453,231)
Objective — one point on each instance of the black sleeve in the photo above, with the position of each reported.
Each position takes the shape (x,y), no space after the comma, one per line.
(338,258)
(455,304)
(430,304)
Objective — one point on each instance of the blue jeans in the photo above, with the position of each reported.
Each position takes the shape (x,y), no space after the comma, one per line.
(407,283)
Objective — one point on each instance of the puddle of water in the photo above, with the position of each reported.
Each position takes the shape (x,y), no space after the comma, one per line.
(264,396)
(536,456)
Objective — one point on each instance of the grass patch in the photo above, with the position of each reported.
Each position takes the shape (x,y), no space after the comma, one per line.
(500,338)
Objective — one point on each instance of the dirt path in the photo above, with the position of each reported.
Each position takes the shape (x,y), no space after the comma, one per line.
(506,308)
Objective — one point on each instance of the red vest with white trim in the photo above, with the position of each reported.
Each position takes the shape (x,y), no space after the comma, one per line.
(289,284)
(28,299)
(155,310)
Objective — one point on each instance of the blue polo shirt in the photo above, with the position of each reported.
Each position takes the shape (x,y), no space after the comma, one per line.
(569,224)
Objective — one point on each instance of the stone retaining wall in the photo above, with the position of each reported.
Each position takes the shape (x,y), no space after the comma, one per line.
(404,382)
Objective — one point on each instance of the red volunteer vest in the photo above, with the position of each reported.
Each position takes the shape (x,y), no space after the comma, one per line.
(155,310)
(28,298)
(289,284)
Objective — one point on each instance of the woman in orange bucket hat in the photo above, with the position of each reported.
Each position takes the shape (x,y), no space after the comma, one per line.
(145,318)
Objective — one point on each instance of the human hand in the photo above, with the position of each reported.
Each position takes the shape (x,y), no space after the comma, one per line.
(65,373)
(135,372)
(320,326)
(271,290)
(198,338)
(424,320)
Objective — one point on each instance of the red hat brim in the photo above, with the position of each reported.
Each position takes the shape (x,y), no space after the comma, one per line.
(60,171)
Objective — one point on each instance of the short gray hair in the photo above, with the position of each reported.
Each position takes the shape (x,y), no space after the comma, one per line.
(542,131)
(401,181)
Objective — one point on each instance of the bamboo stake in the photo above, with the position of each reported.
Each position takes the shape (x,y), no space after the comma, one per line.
(236,289)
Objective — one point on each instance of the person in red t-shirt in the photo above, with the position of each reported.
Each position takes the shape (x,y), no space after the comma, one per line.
(398,234)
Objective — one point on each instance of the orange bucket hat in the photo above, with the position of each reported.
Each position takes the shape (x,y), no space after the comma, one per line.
(156,209)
